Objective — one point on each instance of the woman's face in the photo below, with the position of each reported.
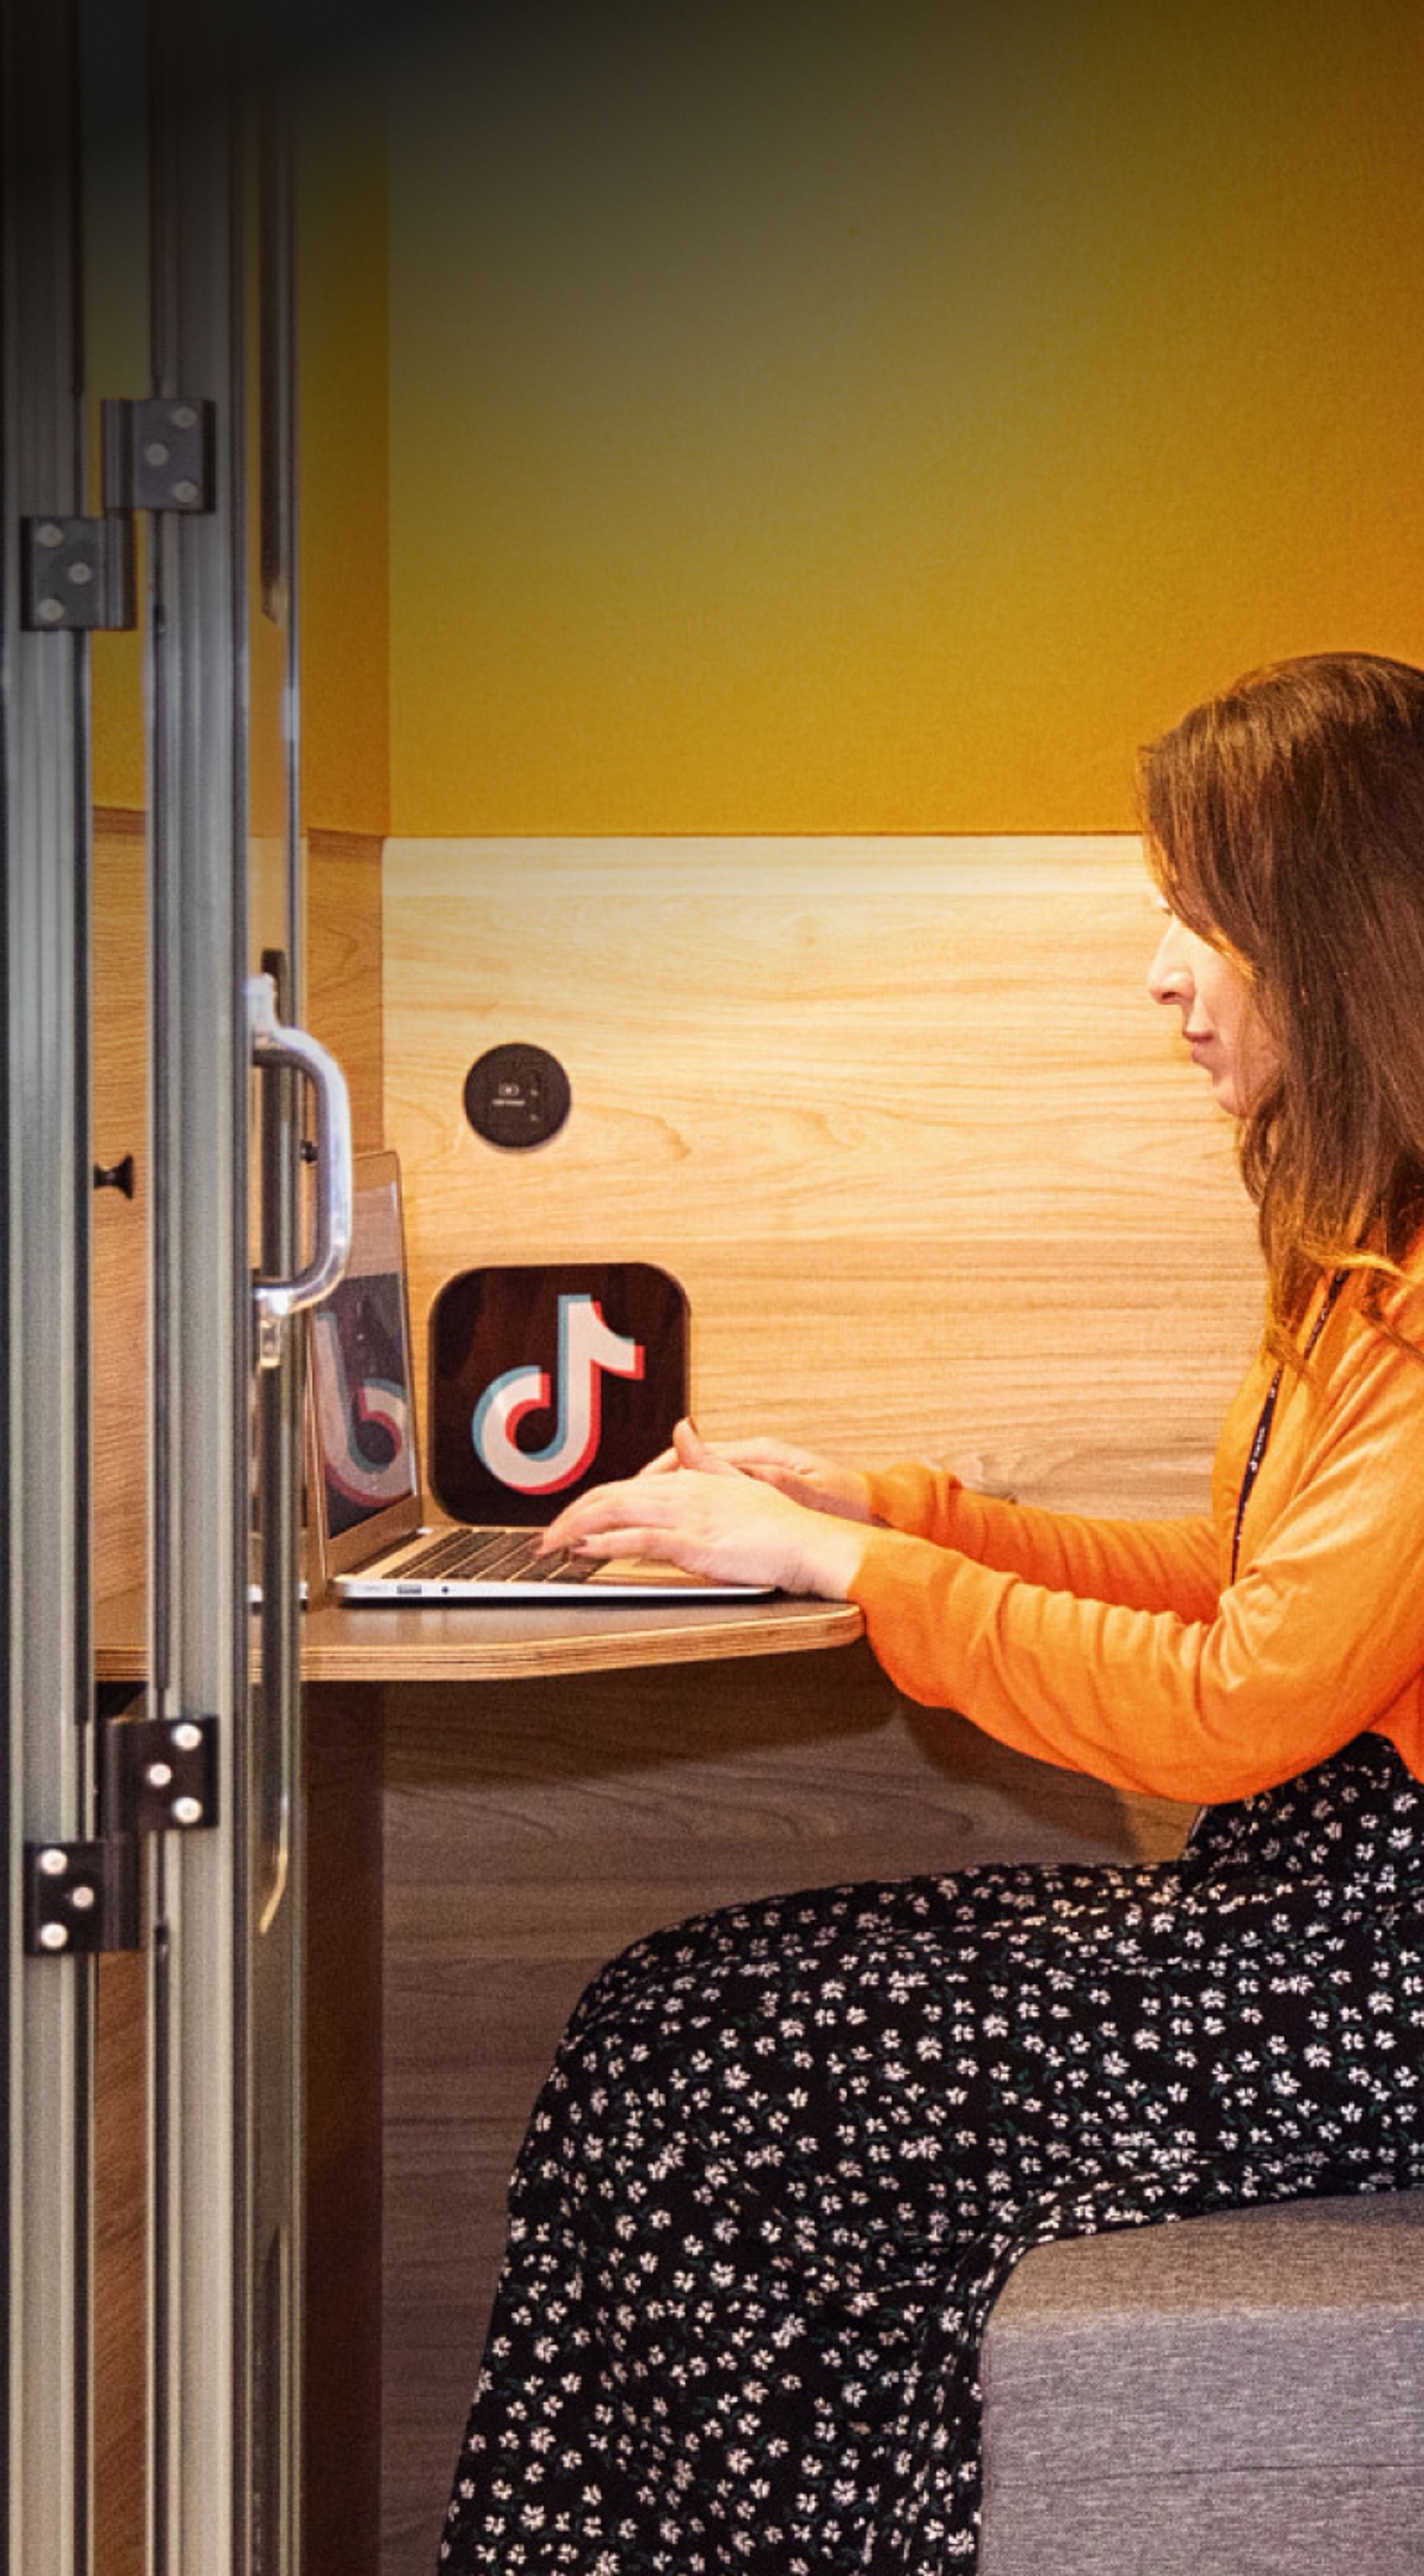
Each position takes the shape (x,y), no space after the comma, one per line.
(1220,1020)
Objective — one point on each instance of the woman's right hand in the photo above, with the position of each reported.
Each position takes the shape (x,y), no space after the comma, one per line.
(819,1484)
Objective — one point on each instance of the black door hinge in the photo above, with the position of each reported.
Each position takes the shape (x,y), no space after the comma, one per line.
(159,454)
(159,1775)
(76,573)
(82,1897)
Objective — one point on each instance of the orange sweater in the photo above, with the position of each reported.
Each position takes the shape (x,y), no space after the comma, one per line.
(1122,1648)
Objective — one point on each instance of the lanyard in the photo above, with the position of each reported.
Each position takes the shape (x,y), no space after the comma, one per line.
(1268,1415)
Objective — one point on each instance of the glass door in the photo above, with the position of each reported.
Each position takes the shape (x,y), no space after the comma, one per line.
(166,505)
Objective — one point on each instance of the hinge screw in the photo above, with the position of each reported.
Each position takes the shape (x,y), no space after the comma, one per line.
(53,1936)
(48,534)
(187,1811)
(82,1899)
(50,612)
(54,1863)
(159,1774)
(186,1735)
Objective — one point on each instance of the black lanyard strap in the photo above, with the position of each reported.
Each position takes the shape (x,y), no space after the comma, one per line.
(1268,1415)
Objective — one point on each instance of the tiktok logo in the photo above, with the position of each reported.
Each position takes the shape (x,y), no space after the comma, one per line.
(363,1412)
(588,1350)
(546,1378)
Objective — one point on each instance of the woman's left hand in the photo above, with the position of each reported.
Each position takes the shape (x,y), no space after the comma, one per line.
(714,1522)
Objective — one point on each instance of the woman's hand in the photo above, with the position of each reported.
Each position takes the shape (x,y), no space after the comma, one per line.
(714,1521)
(819,1484)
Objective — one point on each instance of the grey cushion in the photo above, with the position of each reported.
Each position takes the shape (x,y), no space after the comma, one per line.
(1240,2395)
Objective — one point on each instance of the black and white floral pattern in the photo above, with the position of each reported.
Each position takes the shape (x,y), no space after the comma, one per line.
(790,2151)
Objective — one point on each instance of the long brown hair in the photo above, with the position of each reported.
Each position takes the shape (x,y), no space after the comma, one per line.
(1285,821)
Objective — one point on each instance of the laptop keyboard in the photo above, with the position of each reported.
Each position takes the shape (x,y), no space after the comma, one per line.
(495,1556)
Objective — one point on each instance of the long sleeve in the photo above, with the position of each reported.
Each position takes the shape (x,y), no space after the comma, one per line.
(1185,1690)
(1147,1565)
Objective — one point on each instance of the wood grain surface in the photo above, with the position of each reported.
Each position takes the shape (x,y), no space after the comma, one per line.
(343,997)
(937,1176)
(343,934)
(342,2320)
(119,1115)
(120,2265)
(469,1646)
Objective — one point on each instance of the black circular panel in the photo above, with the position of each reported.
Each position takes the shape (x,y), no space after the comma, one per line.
(516,1095)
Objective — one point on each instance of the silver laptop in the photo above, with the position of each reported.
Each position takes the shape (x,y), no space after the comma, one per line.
(374,1543)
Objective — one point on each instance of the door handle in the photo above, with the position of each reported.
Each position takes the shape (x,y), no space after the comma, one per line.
(275,1044)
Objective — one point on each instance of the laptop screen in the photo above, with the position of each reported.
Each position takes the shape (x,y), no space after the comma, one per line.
(366,1462)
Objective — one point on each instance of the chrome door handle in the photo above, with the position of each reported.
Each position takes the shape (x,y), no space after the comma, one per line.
(274,1044)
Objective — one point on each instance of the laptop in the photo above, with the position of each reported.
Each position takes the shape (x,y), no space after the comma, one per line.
(374,1542)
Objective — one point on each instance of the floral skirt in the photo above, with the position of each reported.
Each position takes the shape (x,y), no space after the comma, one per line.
(790,2151)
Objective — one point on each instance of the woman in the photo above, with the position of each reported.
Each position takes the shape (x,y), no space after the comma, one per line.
(789,2152)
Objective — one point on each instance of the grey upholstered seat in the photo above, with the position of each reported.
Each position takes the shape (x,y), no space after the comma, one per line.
(1240,2395)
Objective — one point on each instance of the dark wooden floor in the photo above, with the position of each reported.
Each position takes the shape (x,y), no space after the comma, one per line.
(533,1829)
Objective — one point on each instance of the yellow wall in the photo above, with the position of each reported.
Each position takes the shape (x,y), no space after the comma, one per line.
(344,473)
(836,418)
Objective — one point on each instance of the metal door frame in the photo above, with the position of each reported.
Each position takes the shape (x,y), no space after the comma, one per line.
(224,1911)
(45,1633)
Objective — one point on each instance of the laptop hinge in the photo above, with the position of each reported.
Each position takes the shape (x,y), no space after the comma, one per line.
(159,1775)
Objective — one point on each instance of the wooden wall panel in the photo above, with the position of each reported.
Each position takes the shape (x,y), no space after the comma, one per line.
(120,2264)
(343,928)
(341,2416)
(343,1000)
(533,1830)
(937,1176)
(120,1127)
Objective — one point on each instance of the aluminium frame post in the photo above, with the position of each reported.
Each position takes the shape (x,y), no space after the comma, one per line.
(45,1633)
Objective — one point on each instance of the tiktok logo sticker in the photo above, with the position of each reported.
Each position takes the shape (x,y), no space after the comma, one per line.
(586,1349)
(546,1381)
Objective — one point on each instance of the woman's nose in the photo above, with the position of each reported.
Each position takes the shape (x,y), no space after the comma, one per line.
(1169,975)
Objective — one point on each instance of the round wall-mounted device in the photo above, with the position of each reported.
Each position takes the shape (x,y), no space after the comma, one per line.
(516,1096)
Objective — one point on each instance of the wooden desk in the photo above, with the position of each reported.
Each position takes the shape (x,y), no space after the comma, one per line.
(481,1645)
